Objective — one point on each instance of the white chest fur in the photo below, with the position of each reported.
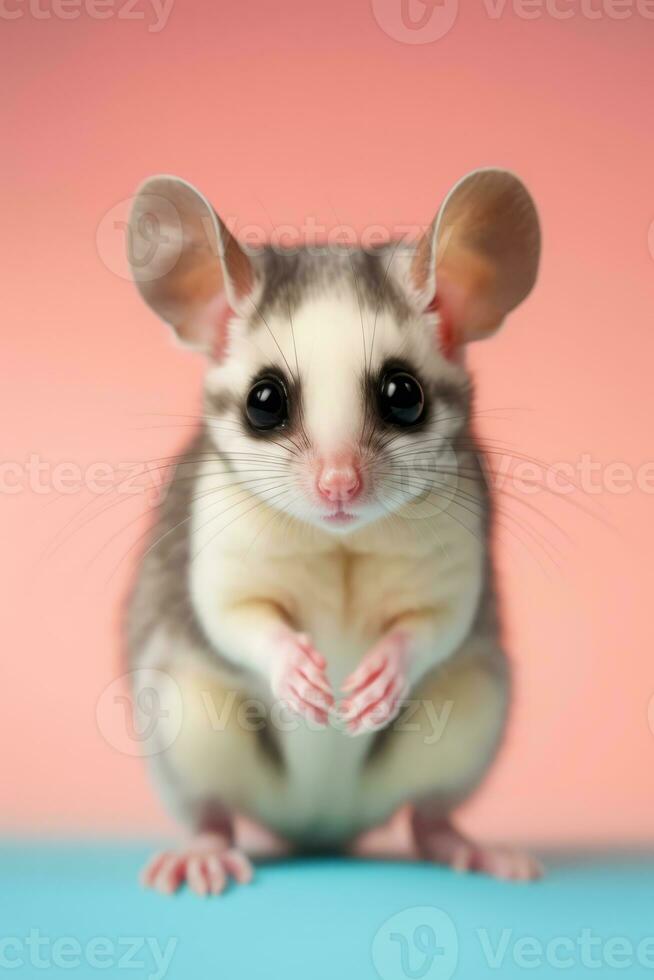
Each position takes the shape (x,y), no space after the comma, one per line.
(340,590)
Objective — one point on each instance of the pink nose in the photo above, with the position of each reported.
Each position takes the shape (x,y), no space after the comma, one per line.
(339,482)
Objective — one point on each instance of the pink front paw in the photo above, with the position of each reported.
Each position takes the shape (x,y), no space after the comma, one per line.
(205,864)
(299,678)
(376,688)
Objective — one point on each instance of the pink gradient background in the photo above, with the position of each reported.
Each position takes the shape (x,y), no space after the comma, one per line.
(278,111)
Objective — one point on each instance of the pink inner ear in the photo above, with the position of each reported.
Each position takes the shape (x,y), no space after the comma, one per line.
(446,336)
(220,312)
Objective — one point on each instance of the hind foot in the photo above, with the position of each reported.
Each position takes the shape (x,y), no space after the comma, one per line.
(437,840)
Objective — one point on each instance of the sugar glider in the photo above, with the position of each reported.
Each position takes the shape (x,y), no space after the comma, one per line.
(318,588)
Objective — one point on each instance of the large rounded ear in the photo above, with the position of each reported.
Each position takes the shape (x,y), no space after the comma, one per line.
(187,265)
(480,257)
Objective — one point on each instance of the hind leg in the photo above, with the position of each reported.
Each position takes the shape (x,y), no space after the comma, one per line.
(438,840)
(211,766)
(436,754)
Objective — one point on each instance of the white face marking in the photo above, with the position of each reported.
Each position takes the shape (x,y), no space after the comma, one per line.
(332,346)
(333,351)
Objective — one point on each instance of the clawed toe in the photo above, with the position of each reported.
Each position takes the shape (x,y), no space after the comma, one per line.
(497,862)
(442,843)
(205,867)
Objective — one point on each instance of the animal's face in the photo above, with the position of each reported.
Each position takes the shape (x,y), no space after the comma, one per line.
(334,389)
(333,400)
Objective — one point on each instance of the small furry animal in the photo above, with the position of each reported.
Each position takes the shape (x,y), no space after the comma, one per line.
(318,589)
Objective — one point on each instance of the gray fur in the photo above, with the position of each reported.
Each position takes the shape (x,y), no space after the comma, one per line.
(290,276)
(161,598)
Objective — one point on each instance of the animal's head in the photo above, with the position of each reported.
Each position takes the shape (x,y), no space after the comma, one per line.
(333,374)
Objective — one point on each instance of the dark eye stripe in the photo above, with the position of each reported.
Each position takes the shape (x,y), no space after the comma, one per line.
(445,401)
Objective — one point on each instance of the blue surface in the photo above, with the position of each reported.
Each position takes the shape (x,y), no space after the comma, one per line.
(78,911)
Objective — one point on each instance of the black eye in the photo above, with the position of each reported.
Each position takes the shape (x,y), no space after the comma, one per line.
(401,399)
(267,406)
